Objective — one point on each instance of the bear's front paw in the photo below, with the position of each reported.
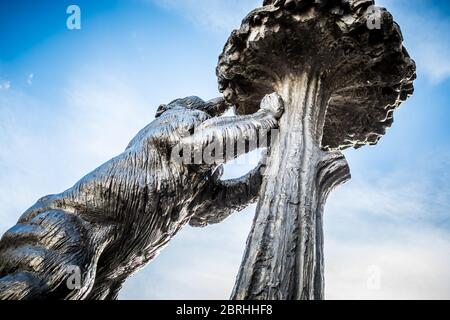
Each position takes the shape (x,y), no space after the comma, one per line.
(274,104)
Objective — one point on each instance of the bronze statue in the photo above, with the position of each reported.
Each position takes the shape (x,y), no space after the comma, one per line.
(339,77)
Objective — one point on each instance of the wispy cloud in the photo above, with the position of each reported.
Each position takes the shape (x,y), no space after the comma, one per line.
(400,225)
(105,113)
(412,265)
(5,85)
(430,46)
(27,151)
(30,79)
(213,15)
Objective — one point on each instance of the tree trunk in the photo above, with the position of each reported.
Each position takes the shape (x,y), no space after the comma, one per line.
(283,259)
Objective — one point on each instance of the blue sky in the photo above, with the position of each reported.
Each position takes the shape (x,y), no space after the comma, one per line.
(71,100)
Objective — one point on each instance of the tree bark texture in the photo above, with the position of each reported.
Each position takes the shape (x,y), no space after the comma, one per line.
(284,253)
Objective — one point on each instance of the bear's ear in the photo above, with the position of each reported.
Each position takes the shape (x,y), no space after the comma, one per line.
(161,109)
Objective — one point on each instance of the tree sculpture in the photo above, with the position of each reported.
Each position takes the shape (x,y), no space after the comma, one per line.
(117,218)
(341,82)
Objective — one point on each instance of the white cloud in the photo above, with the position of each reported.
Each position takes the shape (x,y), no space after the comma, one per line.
(398,224)
(413,265)
(26,154)
(430,47)
(30,79)
(217,15)
(5,85)
(105,113)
